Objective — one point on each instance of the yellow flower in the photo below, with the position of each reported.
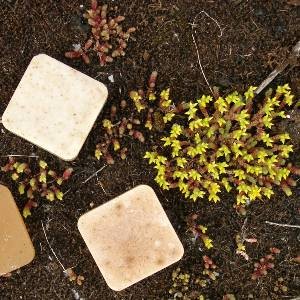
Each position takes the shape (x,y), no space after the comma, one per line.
(226,185)
(197,193)
(151,156)
(241,199)
(240,174)
(202,228)
(250,93)
(151,97)
(204,100)
(59,195)
(254,192)
(288,98)
(107,124)
(168,117)
(241,247)
(194,175)
(181,161)
(98,153)
(267,192)
(176,130)
(265,137)
(283,137)
(149,124)
(267,121)
(192,111)
(207,242)
(243,119)
(165,94)
(221,105)
(26,212)
(283,89)
(43,164)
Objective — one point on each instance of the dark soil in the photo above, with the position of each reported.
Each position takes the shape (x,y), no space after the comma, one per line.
(256,36)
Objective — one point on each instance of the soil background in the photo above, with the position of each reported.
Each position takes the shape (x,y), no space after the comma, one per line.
(256,36)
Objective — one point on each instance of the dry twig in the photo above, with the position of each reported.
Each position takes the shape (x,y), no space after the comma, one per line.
(291,60)
(194,25)
(282,225)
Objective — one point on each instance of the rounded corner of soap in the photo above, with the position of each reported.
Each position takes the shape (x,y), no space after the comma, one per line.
(146,188)
(104,91)
(32,255)
(80,222)
(5,121)
(181,251)
(69,157)
(40,56)
(116,288)
(5,188)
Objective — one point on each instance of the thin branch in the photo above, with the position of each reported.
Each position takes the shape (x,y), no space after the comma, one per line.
(20,155)
(200,65)
(282,225)
(280,68)
(204,12)
(196,46)
(52,248)
(94,174)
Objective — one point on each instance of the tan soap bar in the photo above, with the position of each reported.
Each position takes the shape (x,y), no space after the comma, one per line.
(130,237)
(16,249)
(54,107)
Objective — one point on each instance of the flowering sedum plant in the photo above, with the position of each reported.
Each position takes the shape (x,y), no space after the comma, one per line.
(45,183)
(226,144)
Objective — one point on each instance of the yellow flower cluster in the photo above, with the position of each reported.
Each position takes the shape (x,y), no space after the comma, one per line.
(224,144)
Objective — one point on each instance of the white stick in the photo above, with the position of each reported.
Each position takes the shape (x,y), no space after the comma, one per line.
(19,155)
(199,62)
(282,225)
(52,248)
(93,175)
(279,69)
(196,46)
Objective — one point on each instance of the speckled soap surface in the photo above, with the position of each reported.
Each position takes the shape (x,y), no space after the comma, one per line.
(16,249)
(54,107)
(130,237)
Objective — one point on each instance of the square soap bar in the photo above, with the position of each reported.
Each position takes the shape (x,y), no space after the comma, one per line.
(16,249)
(130,237)
(54,107)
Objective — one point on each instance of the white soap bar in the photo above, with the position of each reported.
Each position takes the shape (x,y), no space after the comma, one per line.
(54,107)
(130,237)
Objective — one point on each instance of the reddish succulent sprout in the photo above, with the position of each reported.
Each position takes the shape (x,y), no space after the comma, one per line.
(275,250)
(139,136)
(109,159)
(207,260)
(152,80)
(131,30)
(94,4)
(73,54)
(293,169)
(113,111)
(123,153)
(67,173)
(103,29)
(291,182)
(85,58)
(261,268)
(136,122)
(123,104)
(88,44)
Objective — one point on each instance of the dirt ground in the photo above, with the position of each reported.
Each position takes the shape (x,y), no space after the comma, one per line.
(256,35)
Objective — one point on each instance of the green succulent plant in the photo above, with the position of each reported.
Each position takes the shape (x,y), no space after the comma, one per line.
(227,143)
